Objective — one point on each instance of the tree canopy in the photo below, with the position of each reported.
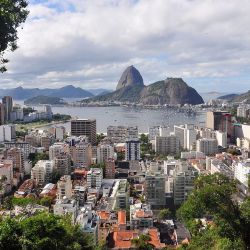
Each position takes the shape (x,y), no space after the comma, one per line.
(12,14)
(42,231)
(213,199)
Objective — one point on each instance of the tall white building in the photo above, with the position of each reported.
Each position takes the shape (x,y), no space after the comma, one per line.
(242,171)
(132,150)
(42,171)
(221,138)
(7,133)
(94,178)
(55,150)
(104,152)
(187,135)
(243,111)
(207,146)
(64,187)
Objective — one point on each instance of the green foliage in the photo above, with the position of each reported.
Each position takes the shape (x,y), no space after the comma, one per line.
(55,176)
(120,156)
(21,133)
(146,147)
(164,214)
(35,157)
(99,137)
(42,232)
(61,117)
(46,201)
(23,202)
(12,14)
(28,110)
(141,243)
(212,196)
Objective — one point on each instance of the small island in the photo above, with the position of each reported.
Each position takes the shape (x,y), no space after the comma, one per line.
(41,99)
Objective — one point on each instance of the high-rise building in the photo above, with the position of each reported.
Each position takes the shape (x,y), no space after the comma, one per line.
(110,169)
(186,134)
(119,134)
(7,132)
(8,105)
(94,178)
(55,150)
(220,120)
(81,154)
(167,145)
(183,182)
(2,114)
(62,163)
(64,187)
(42,172)
(85,127)
(155,189)
(104,152)
(132,150)
(207,146)
(17,156)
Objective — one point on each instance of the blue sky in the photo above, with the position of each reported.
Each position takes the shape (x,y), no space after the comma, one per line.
(88,43)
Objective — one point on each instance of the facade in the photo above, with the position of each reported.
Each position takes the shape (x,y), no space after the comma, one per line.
(104,152)
(7,133)
(183,183)
(155,189)
(186,135)
(207,146)
(94,178)
(122,195)
(242,172)
(167,145)
(85,127)
(2,114)
(42,172)
(132,150)
(56,150)
(64,187)
(243,111)
(26,147)
(110,168)
(119,134)
(220,120)
(8,107)
(81,154)
(17,157)
(141,216)
(62,163)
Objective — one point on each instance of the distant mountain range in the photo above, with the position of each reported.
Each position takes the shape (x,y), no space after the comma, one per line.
(68,91)
(131,88)
(245,97)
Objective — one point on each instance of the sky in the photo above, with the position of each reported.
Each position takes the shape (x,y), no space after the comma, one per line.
(89,43)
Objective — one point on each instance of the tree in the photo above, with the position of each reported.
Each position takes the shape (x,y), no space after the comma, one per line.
(46,201)
(164,214)
(55,176)
(35,157)
(43,231)
(141,242)
(12,14)
(212,198)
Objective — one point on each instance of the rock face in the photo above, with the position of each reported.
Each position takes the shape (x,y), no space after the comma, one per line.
(130,88)
(245,97)
(170,91)
(130,77)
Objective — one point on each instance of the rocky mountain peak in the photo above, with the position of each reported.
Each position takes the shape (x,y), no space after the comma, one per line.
(130,77)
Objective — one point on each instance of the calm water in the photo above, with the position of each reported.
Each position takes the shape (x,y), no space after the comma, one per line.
(143,118)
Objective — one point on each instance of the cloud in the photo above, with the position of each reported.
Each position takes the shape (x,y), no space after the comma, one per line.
(89,43)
